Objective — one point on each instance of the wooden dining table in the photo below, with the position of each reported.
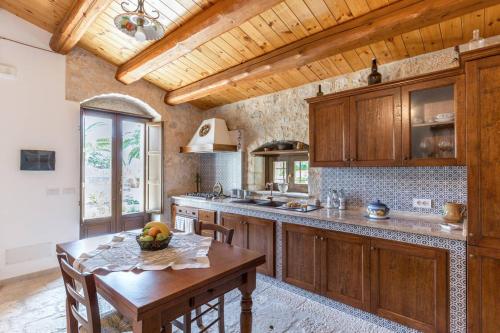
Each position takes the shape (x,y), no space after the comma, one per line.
(153,299)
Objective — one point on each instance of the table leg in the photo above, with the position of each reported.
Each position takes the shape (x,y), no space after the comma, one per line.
(246,302)
(148,325)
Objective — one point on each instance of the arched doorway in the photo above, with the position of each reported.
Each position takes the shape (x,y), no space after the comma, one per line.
(121,171)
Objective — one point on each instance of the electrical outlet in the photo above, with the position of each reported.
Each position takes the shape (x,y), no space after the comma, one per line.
(422,203)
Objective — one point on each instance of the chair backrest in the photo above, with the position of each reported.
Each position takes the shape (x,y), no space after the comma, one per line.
(226,233)
(87,297)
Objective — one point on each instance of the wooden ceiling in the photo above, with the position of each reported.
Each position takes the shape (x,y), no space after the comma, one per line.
(281,25)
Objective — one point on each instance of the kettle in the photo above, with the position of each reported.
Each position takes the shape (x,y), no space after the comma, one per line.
(377,210)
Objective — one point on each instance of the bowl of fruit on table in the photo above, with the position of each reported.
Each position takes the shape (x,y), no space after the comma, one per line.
(154,236)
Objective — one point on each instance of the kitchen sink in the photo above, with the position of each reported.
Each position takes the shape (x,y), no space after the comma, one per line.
(249,201)
(269,203)
(265,203)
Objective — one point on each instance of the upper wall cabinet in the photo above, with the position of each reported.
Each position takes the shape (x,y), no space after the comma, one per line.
(375,128)
(329,133)
(418,121)
(433,122)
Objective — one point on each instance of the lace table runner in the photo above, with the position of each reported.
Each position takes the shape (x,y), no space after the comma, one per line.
(123,253)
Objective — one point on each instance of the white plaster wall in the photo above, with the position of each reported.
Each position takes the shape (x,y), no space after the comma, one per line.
(35,115)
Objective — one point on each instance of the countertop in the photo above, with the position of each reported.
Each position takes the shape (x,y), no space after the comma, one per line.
(398,221)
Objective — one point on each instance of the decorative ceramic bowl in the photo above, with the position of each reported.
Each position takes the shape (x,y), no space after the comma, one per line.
(377,210)
(153,245)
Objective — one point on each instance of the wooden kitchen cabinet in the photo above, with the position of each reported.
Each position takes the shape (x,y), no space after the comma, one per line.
(254,234)
(261,238)
(330,263)
(345,268)
(235,222)
(329,133)
(483,151)
(391,124)
(207,217)
(482,72)
(409,284)
(429,139)
(483,292)
(403,282)
(301,256)
(375,128)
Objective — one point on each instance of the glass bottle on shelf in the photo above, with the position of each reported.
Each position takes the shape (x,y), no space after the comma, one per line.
(477,41)
(374,77)
(432,117)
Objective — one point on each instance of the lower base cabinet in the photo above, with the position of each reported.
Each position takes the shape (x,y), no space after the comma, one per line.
(483,290)
(403,282)
(409,284)
(254,234)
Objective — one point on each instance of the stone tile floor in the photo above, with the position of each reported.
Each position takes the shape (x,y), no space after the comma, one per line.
(37,306)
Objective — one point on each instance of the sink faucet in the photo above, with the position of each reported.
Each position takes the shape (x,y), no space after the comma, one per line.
(270,187)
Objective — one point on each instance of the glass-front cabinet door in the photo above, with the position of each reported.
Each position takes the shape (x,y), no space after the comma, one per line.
(433,122)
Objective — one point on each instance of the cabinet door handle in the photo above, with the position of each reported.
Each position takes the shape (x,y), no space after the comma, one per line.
(316,237)
(471,234)
(372,248)
(471,255)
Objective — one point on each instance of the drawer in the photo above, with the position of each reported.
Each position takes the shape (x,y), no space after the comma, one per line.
(218,290)
(186,211)
(206,216)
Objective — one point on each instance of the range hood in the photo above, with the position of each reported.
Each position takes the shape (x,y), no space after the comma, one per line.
(212,136)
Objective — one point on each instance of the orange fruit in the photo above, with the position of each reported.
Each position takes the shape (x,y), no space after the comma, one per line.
(154,231)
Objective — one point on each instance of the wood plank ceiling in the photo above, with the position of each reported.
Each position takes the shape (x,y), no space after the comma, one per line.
(283,24)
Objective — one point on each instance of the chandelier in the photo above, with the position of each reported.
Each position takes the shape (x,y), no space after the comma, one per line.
(138,23)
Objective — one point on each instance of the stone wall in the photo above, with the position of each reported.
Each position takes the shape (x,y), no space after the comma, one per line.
(88,76)
(284,116)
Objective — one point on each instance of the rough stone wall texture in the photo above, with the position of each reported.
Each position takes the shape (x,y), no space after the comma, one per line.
(88,76)
(284,115)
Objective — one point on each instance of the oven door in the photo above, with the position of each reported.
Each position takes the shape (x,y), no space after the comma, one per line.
(185,223)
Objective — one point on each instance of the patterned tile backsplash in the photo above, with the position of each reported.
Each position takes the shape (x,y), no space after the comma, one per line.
(396,187)
(226,168)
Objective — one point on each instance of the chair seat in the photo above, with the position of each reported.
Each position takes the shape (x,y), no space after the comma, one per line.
(112,321)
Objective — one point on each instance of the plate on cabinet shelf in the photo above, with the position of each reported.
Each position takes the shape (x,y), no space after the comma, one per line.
(435,124)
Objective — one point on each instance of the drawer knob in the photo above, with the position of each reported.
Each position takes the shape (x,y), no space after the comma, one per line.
(471,255)
(372,248)
(471,234)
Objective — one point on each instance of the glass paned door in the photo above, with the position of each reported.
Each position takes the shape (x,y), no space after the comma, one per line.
(113,173)
(133,167)
(97,171)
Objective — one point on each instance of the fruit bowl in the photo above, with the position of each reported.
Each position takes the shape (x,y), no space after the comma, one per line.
(153,245)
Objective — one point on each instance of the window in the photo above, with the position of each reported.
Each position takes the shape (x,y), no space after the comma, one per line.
(293,169)
(300,172)
(279,172)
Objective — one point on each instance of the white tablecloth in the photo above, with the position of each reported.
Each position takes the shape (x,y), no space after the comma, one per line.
(124,254)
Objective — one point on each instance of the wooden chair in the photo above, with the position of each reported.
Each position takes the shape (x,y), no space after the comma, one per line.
(90,321)
(185,326)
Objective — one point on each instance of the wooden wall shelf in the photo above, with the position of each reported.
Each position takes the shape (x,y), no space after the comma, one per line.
(280,152)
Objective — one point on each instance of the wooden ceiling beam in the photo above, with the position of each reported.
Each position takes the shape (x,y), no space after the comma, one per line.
(217,19)
(78,19)
(382,23)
